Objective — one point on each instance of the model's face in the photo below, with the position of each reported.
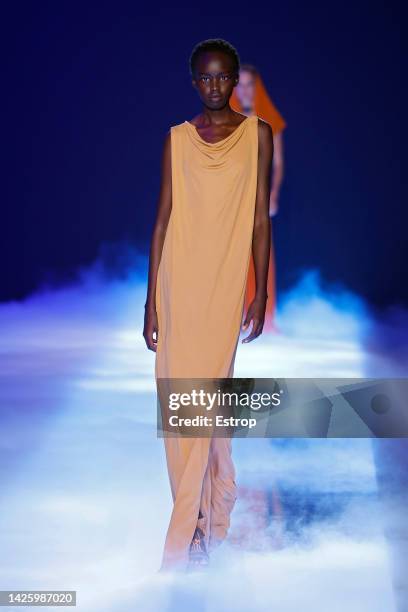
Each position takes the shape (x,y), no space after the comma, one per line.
(214,79)
(246,89)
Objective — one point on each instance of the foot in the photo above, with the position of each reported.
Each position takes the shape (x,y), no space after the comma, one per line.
(198,554)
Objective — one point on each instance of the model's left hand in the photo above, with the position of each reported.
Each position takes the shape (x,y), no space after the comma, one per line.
(256,314)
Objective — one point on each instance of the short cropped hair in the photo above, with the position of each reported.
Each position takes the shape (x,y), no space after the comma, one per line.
(214,44)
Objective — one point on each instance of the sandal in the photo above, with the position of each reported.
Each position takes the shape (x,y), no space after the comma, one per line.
(198,552)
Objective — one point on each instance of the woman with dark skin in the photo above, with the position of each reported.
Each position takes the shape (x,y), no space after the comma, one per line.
(214,84)
(215,72)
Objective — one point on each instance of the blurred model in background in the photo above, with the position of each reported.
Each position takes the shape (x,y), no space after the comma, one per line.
(251,98)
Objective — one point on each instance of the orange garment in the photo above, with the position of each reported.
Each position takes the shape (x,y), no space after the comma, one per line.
(264,108)
(200,296)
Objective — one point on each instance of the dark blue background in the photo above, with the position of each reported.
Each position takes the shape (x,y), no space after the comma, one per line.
(91,89)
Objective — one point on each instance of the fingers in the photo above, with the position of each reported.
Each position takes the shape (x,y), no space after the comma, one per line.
(152,346)
(246,322)
(151,342)
(245,325)
(257,326)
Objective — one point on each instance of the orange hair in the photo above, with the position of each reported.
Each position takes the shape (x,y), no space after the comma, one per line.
(263,105)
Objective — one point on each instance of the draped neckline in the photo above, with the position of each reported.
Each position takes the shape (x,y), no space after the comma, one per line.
(219,142)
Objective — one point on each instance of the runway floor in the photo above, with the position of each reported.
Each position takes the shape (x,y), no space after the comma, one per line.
(85,499)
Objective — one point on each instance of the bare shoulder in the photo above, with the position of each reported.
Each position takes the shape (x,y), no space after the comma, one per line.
(166,148)
(264,131)
(167,140)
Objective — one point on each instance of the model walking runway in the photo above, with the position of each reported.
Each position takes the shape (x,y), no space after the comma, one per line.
(200,297)
(212,214)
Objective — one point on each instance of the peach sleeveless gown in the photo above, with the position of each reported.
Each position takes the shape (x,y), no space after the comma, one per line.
(201,287)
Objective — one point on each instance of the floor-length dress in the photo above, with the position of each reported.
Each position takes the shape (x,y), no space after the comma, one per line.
(200,294)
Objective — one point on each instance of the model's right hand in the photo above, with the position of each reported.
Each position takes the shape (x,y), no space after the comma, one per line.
(150,328)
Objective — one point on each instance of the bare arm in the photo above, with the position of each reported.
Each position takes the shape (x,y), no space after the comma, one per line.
(156,247)
(278,173)
(261,237)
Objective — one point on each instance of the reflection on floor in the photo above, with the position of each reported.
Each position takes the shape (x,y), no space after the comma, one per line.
(85,499)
